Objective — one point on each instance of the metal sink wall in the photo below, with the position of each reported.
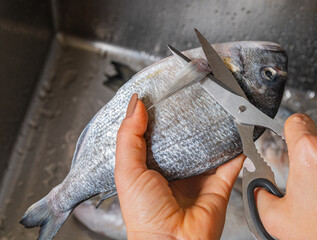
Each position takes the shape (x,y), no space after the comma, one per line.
(55,57)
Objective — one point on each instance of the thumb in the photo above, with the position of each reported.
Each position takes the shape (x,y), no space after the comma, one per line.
(300,132)
(131,146)
(301,137)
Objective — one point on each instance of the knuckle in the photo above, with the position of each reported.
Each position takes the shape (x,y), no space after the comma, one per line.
(308,141)
(120,135)
(123,131)
(152,178)
(124,126)
(139,143)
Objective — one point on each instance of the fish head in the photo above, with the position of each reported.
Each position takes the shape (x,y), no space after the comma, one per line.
(261,70)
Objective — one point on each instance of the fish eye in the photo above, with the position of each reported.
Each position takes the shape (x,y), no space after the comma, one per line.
(268,73)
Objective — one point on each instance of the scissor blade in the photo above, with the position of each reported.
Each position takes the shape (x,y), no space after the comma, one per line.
(232,102)
(218,67)
(185,60)
(249,149)
(241,109)
(262,171)
(178,53)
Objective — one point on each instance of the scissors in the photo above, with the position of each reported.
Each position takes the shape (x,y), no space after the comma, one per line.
(222,87)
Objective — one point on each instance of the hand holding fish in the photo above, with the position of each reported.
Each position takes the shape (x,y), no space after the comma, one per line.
(295,215)
(152,207)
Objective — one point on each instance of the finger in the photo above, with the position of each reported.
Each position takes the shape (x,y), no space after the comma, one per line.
(222,181)
(230,171)
(296,126)
(267,205)
(299,131)
(301,137)
(264,199)
(216,189)
(131,146)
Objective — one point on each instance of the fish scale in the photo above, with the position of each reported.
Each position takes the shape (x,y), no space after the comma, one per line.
(188,133)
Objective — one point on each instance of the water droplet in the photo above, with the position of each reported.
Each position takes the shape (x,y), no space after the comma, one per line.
(297,104)
(7,201)
(310,94)
(70,137)
(68,78)
(157,48)
(152,58)
(33,124)
(42,93)
(102,54)
(30,195)
(287,94)
(47,113)
(47,85)
(58,112)
(51,151)
(20,151)
(307,163)
(20,183)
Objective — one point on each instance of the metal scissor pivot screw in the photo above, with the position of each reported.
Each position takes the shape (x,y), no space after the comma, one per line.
(242,108)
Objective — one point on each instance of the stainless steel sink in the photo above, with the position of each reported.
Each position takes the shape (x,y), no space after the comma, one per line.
(60,61)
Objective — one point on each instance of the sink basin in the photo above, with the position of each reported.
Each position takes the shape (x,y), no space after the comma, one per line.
(61,61)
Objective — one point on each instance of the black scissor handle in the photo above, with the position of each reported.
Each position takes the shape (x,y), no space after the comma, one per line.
(270,187)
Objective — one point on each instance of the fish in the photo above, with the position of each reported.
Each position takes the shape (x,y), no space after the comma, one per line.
(189,133)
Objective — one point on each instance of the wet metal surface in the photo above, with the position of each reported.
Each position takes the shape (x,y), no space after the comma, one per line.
(24,42)
(150,25)
(57,82)
(71,90)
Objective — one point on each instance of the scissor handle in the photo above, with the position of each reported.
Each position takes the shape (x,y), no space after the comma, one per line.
(271,188)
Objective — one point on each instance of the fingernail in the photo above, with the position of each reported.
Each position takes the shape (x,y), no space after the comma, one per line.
(132,105)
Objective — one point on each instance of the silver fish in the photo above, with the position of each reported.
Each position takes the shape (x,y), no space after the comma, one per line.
(189,133)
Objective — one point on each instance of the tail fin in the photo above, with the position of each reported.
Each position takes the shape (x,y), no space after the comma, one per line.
(40,214)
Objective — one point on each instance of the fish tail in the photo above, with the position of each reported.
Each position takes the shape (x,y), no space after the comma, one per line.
(40,214)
